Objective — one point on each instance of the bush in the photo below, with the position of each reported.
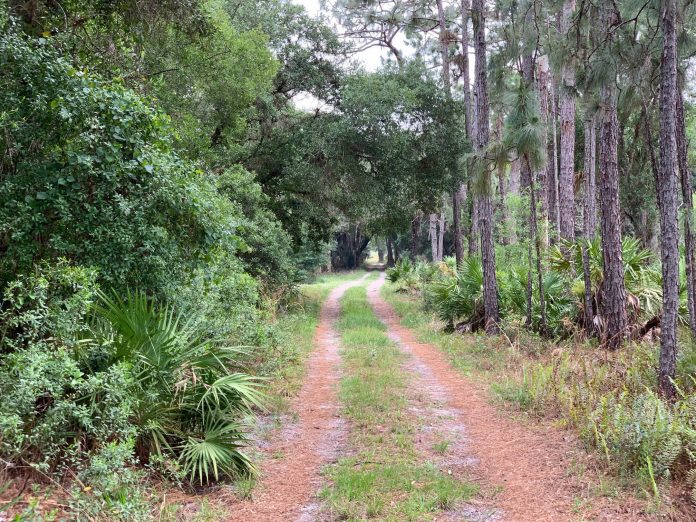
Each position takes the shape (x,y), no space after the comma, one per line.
(110,487)
(55,404)
(89,173)
(187,399)
(459,296)
(80,369)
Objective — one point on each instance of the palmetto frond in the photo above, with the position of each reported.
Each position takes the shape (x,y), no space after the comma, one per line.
(188,396)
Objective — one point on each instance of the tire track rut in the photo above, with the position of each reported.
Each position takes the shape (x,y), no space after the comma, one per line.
(287,485)
(528,463)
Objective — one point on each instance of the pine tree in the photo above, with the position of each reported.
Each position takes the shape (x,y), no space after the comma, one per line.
(566,196)
(613,286)
(667,195)
(482,116)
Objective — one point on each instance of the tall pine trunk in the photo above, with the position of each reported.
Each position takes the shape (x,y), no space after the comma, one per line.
(433,237)
(542,86)
(447,82)
(589,216)
(566,195)
(613,286)
(466,89)
(667,194)
(475,223)
(490,285)
(687,195)
(458,198)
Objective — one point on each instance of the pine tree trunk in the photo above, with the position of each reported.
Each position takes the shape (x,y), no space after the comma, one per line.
(390,253)
(444,50)
(667,193)
(542,86)
(590,185)
(537,242)
(447,82)
(457,199)
(589,227)
(554,210)
(513,188)
(441,236)
(501,205)
(466,89)
(567,101)
(613,287)
(490,285)
(687,195)
(474,224)
(432,232)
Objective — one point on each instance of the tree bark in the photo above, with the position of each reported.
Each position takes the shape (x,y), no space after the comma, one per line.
(490,285)
(687,195)
(432,232)
(466,89)
(667,193)
(350,246)
(390,252)
(444,49)
(589,221)
(542,86)
(457,199)
(447,82)
(474,224)
(553,174)
(441,236)
(567,101)
(613,287)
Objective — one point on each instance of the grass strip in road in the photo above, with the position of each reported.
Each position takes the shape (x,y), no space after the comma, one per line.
(385,478)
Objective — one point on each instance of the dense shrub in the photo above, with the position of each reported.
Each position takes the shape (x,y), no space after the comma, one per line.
(55,404)
(80,370)
(87,172)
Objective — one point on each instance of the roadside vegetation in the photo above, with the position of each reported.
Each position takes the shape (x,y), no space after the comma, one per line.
(150,342)
(382,476)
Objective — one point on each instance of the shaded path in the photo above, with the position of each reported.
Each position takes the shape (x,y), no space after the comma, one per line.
(288,484)
(530,463)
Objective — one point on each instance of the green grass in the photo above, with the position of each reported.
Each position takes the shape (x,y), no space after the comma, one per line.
(385,478)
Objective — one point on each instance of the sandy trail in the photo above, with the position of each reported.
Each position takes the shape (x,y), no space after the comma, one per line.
(529,463)
(287,486)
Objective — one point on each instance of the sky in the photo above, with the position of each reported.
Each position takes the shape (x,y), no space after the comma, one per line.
(370,59)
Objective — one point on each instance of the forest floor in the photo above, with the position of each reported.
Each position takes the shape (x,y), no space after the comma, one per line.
(384,427)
